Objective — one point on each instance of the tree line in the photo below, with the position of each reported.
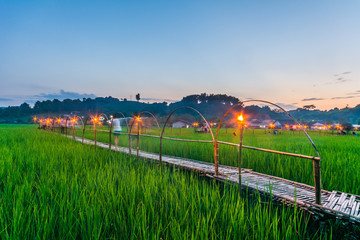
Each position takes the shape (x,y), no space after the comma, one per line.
(212,106)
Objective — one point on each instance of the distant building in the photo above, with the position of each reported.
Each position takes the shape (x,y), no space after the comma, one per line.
(181,124)
(317,125)
(356,127)
(257,124)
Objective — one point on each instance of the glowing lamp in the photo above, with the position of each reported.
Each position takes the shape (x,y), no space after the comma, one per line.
(240,118)
(58,120)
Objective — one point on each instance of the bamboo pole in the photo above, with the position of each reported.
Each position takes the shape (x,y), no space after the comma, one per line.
(137,138)
(241,131)
(95,132)
(216,157)
(317,181)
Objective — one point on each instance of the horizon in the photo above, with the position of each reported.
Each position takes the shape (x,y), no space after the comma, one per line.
(290,53)
(170,101)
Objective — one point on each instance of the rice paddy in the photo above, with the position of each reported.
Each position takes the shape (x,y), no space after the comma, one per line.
(52,187)
(340,165)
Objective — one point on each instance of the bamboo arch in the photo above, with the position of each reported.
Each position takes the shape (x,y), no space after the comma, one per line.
(316,160)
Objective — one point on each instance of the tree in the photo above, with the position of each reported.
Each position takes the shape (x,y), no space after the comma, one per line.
(25,107)
(137,97)
(308,107)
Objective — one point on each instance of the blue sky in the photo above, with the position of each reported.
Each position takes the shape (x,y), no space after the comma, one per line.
(290,52)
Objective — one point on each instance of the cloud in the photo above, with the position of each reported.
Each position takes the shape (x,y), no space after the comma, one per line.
(343,73)
(335,98)
(340,78)
(64,95)
(287,106)
(158,100)
(312,99)
(5,99)
(354,93)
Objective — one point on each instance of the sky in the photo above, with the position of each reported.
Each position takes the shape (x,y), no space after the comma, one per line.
(294,53)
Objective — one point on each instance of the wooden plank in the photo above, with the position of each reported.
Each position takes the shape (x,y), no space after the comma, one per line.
(332,195)
(351,202)
(334,201)
(342,198)
(344,205)
(356,212)
(353,209)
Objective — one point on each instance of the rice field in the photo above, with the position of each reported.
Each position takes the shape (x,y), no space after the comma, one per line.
(52,187)
(340,165)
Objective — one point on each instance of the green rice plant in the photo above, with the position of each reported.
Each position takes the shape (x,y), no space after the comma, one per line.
(340,167)
(52,187)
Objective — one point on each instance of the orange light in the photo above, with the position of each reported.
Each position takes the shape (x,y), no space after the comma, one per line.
(356,128)
(272,125)
(211,124)
(41,120)
(34,118)
(305,126)
(74,119)
(195,124)
(286,126)
(58,120)
(240,118)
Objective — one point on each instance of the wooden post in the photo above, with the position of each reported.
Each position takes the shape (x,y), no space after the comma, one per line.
(83,136)
(130,142)
(95,132)
(110,138)
(216,157)
(160,150)
(73,131)
(317,180)
(241,131)
(137,139)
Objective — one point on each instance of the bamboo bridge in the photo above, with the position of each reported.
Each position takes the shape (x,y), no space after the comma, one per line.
(334,204)
(321,203)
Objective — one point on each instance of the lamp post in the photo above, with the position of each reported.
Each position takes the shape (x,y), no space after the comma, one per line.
(74,119)
(241,131)
(58,120)
(95,120)
(40,123)
(34,119)
(48,124)
(138,120)
(195,124)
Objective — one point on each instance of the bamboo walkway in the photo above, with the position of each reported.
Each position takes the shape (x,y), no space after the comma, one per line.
(335,204)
